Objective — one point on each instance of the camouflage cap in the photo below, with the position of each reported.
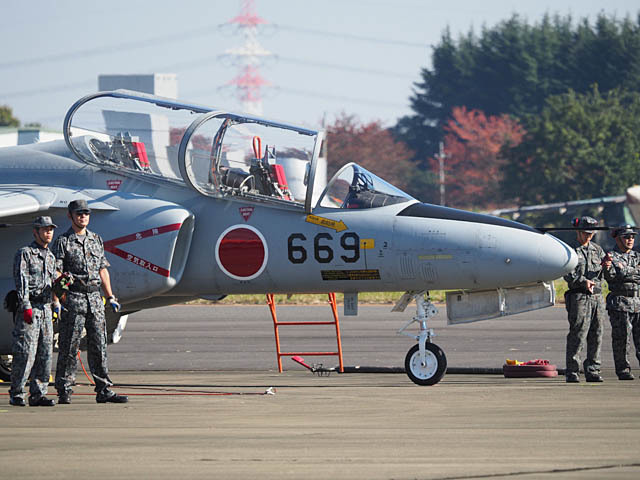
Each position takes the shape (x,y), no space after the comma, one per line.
(585,224)
(79,206)
(43,221)
(623,230)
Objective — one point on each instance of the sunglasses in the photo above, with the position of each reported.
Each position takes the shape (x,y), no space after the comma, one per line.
(628,236)
(82,212)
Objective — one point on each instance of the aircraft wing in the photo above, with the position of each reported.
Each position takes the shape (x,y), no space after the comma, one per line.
(18,200)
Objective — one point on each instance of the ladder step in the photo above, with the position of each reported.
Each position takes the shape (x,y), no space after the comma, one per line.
(304,323)
(290,354)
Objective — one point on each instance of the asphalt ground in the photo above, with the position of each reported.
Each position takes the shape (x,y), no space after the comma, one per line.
(242,338)
(197,378)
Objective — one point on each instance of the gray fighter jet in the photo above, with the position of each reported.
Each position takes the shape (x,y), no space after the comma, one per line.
(195,202)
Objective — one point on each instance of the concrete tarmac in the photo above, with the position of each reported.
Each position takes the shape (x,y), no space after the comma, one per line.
(218,422)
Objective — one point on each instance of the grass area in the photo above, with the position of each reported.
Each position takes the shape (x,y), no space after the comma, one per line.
(372,298)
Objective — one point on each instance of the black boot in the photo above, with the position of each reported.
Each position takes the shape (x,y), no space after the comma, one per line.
(41,402)
(64,398)
(573,377)
(111,397)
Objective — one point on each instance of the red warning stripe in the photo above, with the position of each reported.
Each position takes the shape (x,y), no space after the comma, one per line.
(143,234)
(110,246)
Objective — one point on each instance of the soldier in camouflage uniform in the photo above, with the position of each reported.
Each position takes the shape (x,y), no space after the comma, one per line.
(623,301)
(80,252)
(585,304)
(34,271)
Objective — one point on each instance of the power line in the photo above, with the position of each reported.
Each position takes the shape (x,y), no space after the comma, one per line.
(109,49)
(182,36)
(350,36)
(369,71)
(52,89)
(339,98)
(202,63)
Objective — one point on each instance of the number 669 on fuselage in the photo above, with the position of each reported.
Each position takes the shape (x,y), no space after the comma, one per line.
(195,202)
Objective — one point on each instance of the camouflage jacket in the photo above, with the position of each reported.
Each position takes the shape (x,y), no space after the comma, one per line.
(624,281)
(589,268)
(80,255)
(34,270)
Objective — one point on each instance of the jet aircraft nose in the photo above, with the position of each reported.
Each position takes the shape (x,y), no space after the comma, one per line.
(488,252)
(522,257)
(555,258)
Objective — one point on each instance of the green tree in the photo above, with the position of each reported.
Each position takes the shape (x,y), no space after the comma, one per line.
(579,146)
(514,67)
(6,117)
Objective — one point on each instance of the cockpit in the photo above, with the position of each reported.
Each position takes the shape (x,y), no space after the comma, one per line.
(354,187)
(217,153)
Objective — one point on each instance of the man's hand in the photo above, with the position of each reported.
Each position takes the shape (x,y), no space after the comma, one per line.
(115,306)
(606,261)
(27,316)
(590,284)
(61,284)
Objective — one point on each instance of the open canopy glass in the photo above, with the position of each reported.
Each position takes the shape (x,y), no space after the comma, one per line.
(217,153)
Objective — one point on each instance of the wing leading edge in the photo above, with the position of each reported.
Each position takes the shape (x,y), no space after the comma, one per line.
(16,201)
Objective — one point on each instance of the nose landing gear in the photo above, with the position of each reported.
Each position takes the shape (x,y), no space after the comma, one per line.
(425,363)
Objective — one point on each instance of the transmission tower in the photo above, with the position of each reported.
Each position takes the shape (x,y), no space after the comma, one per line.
(248,83)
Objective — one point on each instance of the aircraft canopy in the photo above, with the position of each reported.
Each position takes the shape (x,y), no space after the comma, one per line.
(217,153)
(355,187)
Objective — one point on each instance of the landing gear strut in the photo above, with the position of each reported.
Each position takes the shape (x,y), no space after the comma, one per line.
(425,362)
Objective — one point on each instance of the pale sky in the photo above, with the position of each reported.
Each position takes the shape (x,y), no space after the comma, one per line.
(360,57)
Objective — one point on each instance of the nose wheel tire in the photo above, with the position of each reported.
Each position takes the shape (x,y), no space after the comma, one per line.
(433,371)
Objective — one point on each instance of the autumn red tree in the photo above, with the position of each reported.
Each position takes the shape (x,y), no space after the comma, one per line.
(369,145)
(473,163)
(199,142)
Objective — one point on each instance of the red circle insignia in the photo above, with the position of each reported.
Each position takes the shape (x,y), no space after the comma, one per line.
(241,252)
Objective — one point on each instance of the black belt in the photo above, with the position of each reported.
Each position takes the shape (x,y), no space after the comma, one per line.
(596,290)
(625,293)
(43,299)
(84,288)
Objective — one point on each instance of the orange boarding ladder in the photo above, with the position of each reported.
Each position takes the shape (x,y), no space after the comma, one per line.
(277,324)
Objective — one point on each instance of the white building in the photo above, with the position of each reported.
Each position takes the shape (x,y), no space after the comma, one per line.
(11,136)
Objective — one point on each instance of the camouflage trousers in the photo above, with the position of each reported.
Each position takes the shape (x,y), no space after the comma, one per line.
(82,312)
(623,326)
(586,318)
(32,352)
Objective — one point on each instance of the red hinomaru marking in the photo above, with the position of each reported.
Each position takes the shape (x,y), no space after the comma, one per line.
(110,246)
(241,252)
